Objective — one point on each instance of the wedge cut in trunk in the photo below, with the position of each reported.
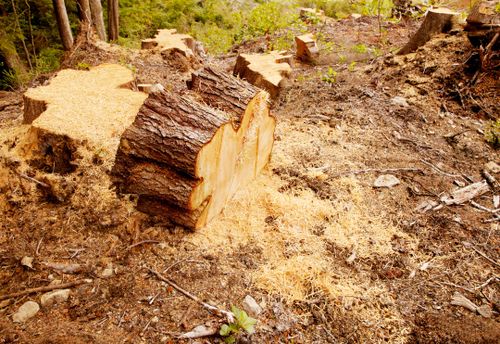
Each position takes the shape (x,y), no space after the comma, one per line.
(186,156)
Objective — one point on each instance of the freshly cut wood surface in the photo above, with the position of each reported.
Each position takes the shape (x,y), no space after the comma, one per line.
(307,49)
(94,106)
(185,159)
(166,40)
(437,20)
(266,71)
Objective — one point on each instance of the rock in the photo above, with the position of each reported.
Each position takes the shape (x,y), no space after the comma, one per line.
(400,101)
(26,311)
(386,181)
(108,272)
(251,306)
(27,261)
(54,297)
(493,167)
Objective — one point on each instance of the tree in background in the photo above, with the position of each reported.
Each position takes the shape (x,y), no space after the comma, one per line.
(97,19)
(113,20)
(63,24)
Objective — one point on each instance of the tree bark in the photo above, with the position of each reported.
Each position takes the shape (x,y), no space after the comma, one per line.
(184,158)
(97,19)
(437,20)
(84,12)
(113,20)
(63,24)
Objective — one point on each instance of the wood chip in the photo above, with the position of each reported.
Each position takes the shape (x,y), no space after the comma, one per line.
(467,193)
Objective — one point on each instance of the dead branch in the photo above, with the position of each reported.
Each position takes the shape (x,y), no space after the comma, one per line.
(43,289)
(460,300)
(467,193)
(22,175)
(148,241)
(210,308)
(440,171)
(378,170)
(469,245)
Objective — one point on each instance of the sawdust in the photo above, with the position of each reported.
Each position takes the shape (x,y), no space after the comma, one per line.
(92,106)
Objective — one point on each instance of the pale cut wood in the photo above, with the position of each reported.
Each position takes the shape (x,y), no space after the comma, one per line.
(266,71)
(437,20)
(79,106)
(467,193)
(169,40)
(307,49)
(185,159)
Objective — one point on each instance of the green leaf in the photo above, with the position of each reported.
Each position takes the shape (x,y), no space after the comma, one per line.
(243,320)
(230,339)
(248,324)
(225,330)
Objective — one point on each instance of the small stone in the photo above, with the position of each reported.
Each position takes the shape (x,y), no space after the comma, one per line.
(27,261)
(400,101)
(53,297)
(386,181)
(108,272)
(26,311)
(492,167)
(251,306)
(155,319)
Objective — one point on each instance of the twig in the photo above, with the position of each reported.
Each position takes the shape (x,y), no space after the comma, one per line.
(22,175)
(488,281)
(456,286)
(467,244)
(37,251)
(42,289)
(441,171)
(378,170)
(213,309)
(479,206)
(143,242)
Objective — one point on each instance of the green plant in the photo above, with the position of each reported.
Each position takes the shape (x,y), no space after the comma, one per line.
(352,66)
(242,321)
(492,133)
(330,77)
(342,59)
(82,66)
(360,48)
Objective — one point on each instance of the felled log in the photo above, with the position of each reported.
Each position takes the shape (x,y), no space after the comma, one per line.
(186,158)
(307,49)
(437,20)
(266,71)
(483,23)
(169,40)
(79,107)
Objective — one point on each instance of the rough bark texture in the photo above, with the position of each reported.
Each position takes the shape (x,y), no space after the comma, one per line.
(113,20)
(97,19)
(436,21)
(483,23)
(63,24)
(84,11)
(186,158)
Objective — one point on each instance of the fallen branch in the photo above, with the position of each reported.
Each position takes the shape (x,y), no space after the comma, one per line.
(467,193)
(43,289)
(441,171)
(468,244)
(210,308)
(22,175)
(460,300)
(143,242)
(479,206)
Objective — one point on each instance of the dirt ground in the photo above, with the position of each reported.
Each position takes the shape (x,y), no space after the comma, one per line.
(329,258)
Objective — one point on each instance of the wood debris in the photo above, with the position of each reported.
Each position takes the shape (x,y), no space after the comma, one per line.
(466,194)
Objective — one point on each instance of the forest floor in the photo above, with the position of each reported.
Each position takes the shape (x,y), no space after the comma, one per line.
(329,258)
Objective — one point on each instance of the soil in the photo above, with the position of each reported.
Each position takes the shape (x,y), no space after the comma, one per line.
(330,258)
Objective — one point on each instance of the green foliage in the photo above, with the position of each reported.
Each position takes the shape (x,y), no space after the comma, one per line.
(360,48)
(352,66)
(82,66)
(48,60)
(497,8)
(492,133)
(343,8)
(330,77)
(242,321)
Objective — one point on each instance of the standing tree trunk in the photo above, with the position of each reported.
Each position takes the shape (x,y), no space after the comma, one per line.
(84,12)
(97,19)
(63,24)
(113,19)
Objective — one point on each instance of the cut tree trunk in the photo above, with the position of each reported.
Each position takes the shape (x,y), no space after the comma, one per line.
(63,24)
(185,159)
(307,49)
(437,20)
(267,71)
(483,24)
(97,19)
(113,20)
(169,40)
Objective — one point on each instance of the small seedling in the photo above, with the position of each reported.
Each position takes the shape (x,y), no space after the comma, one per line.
(82,66)
(242,321)
(352,66)
(330,77)
(492,133)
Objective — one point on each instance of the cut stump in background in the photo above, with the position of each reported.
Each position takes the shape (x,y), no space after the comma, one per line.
(169,40)
(437,20)
(266,71)
(307,49)
(185,159)
(483,23)
(78,106)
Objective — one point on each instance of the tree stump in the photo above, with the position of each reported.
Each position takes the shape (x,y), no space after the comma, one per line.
(437,20)
(483,23)
(307,49)
(92,107)
(266,71)
(186,157)
(169,40)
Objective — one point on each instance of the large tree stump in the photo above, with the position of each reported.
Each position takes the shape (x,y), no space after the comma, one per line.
(437,20)
(185,159)
(483,23)
(267,71)
(78,106)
